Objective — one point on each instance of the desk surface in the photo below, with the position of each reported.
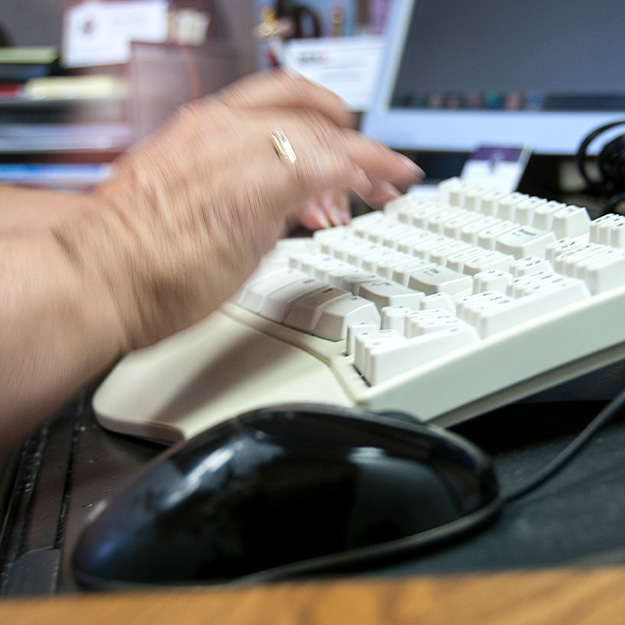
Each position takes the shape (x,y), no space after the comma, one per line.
(552,597)
(555,557)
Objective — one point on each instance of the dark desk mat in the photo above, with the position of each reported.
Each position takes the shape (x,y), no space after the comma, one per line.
(575,519)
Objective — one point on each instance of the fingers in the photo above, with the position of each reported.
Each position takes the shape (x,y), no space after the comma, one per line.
(284,89)
(326,210)
(344,159)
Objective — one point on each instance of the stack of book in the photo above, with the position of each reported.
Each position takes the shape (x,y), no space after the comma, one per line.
(21,64)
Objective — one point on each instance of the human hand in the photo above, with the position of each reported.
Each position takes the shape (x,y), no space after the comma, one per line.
(190,212)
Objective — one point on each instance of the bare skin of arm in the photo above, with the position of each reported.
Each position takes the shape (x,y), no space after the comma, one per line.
(182,223)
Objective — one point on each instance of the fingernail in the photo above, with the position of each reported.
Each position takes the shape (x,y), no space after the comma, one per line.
(413,166)
(322,217)
(362,185)
(345,215)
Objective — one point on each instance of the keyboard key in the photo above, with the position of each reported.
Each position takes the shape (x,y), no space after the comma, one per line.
(530,264)
(440,279)
(352,281)
(509,313)
(305,312)
(384,360)
(543,215)
(525,241)
(470,232)
(571,221)
(608,230)
(401,273)
(526,210)
(354,329)
(508,205)
(389,293)
(490,203)
(604,271)
(438,301)
(492,280)
(253,294)
(485,260)
(393,318)
(488,237)
(336,317)
(277,304)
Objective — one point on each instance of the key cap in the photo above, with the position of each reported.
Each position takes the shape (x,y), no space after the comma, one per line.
(324,270)
(386,266)
(568,262)
(369,262)
(606,271)
(438,301)
(487,238)
(526,209)
(354,329)
(420,215)
(492,280)
(510,313)
(389,293)
(608,230)
(543,215)
(439,279)
(393,318)
(454,226)
(384,360)
(365,341)
(337,246)
(470,232)
(572,221)
(389,230)
(440,254)
(446,187)
(530,264)
(426,322)
(471,308)
(487,260)
(457,260)
(362,225)
(304,260)
(254,292)
(339,314)
(401,273)
(357,253)
(305,312)
(278,303)
(490,203)
(436,222)
(423,248)
(352,281)
(508,205)
(525,241)
(400,241)
(408,244)
(561,246)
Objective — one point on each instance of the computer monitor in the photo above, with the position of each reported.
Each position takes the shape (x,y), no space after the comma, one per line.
(458,75)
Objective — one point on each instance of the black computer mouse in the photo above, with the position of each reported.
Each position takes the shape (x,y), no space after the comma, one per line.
(284,491)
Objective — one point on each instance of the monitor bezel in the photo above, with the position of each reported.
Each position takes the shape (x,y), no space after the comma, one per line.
(463,131)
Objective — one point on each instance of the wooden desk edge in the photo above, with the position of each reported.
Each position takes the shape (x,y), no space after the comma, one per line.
(550,597)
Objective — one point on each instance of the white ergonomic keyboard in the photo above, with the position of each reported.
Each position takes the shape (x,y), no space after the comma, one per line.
(444,308)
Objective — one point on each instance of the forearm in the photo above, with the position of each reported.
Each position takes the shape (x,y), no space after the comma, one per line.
(25,209)
(59,331)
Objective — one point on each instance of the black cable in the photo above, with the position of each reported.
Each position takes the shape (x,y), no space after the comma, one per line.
(610,162)
(562,459)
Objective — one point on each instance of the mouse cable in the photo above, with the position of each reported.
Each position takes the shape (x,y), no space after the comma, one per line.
(562,459)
